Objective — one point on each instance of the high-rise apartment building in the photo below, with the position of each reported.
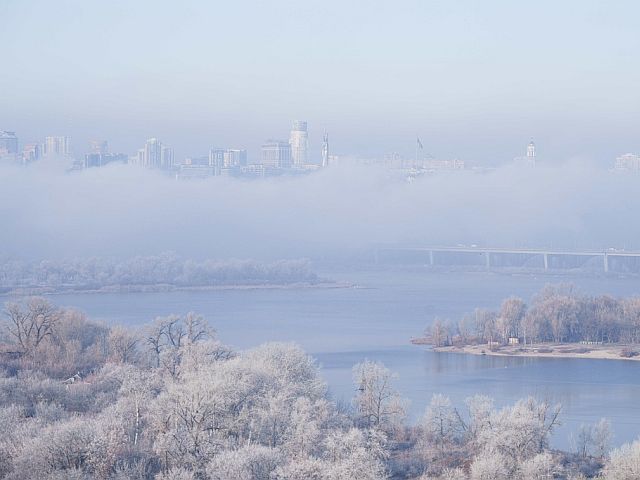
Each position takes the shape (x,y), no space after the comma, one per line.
(235,158)
(155,154)
(227,161)
(276,154)
(31,152)
(299,141)
(166,157)
(531,154)
(8,143)
(216,160)
(57,146)
(152,153)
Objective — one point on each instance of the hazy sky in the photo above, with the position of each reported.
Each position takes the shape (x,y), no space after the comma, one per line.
(475,79)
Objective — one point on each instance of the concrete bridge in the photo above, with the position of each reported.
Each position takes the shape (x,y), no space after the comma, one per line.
(619,261)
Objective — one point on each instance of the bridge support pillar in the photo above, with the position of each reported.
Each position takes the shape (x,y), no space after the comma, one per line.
(606,263)
(545,256)
(431,257)
(487,257)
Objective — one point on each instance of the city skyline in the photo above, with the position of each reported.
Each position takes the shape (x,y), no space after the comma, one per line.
(314,141)
(274,155)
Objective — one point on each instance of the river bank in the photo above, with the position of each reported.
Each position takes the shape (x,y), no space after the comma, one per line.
(546,350)
(166,288)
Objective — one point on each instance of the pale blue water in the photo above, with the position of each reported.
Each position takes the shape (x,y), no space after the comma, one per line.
(341,327)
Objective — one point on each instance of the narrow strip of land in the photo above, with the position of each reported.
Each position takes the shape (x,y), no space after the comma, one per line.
(161,288)
(546,350)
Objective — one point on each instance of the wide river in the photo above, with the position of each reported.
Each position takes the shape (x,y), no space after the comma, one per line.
(375,321)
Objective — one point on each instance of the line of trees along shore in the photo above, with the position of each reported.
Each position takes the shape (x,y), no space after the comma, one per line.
(81,400)
(558,313)
(165,269)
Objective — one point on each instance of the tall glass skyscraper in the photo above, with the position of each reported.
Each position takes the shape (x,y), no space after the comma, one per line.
(299,141)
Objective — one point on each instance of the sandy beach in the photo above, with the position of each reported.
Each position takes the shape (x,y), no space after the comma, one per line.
(545,350)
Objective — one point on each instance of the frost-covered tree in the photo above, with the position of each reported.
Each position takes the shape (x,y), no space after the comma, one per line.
(441,424)
(624,463)
(439,333)
(486,324)
(490,466)
(31,322)
(480,410)
(519,432)
(539,467)
(123,344)
(308,422)
(451,474)
(377,403)
(165,269)
(251,462)
(511,313)
(593,440)
(354,455)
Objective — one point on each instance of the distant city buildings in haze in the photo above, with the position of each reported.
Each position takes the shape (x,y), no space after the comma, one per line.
(234,158)
(531,154)
(98,146)
(432,164)
(99,155)
(529,159)
(227,161)
(628,162)
(277,157)
(421,164)
(166,157)
(8,145)
(325,149)
(216,160)
(155,155)
(277,154)
(196,168)
(393,160)
(57,146)
(31,152)
(299,141)
(92,160)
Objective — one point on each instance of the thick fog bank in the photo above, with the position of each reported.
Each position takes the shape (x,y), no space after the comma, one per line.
(46,213)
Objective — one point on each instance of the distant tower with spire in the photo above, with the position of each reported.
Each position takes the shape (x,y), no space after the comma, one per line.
(325,149)
(531,154)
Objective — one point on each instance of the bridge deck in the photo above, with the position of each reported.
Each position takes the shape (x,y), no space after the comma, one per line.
(550,258)
(515,251)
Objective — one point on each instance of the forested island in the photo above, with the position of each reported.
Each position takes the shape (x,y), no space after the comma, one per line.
(559,322)
(149,273)
(169,401)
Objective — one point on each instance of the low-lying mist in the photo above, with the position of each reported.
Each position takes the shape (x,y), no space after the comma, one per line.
(125,211)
